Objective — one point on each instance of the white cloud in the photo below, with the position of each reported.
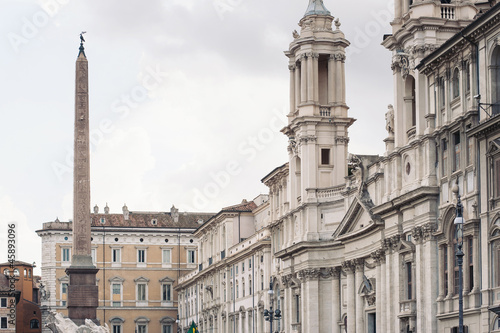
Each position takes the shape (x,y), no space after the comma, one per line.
(28,245)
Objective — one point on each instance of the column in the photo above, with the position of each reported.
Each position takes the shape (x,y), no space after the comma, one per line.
(331,79)
(429,287)
(303,303)
(388,286)
(383,295)
(292,88)
(258,315)
(312,286)
(475,259)
(288,308)
(297,84)
(315,59)
(360,309)
(378,288)
(303,78)
(338,79)
(397,9)
(336,300)
(310,78)
(349,268)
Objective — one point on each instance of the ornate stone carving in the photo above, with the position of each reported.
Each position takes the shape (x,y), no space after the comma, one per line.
(371,299)
(342,139)
(427,231)
(339,56)
(295,34)
(416,234)
(401,61)
(395,241)
(348,266)
(286,280)
(309,274)
(307,139)
(378,256)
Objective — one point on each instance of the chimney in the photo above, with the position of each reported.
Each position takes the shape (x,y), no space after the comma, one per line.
(96,209)
(106,209)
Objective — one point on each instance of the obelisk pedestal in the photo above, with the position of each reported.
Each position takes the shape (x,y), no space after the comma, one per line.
(82,290)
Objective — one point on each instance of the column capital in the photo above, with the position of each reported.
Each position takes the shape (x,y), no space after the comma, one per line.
(348,266)
(378,256)
(309,274)
(292,67)
(338,56)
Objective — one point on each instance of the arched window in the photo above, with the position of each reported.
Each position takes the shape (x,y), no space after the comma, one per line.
(6,271)
(34,323)
(410,106)
(456,83)
(495,80)
(25,272)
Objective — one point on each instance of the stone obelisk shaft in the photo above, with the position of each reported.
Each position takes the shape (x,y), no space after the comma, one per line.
(83,293)
(81,186)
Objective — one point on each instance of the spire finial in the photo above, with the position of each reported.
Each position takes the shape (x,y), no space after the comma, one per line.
(82,40)
(316,7)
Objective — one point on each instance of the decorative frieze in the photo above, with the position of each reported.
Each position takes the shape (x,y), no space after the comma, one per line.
(309,274)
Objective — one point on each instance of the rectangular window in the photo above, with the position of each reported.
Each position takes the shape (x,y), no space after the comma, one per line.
(470,149)
(66,255)
(325,156)
(141,256)
(3,322)
(441,92)
(231,272)
(166,257)
(116,304)
(116,289)
(444,145)
(250,287)
(408,281)
(64,288)
(93,255)
(497,177)
(166,292)
(249,263)
(445,269)
(297,309)
(456,152)
(467,77)
(116,254)
(242,267)
(141,328)
(117,329)
(471,264)
(262,282)
(166,329)
(3,302)
(141,292)
(191,256)
(236,269)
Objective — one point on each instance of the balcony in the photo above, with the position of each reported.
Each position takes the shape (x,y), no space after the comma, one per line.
(324,111)
(447,12)
(407,308)
(222,254)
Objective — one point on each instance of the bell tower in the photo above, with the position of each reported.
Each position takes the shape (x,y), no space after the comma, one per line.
(419,28)
(318,118)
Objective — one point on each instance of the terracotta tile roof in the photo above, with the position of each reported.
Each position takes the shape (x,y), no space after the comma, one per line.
(4,283)
(244,206)
(16,263)
(144,220)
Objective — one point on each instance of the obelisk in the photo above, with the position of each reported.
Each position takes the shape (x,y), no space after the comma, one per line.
(82,289)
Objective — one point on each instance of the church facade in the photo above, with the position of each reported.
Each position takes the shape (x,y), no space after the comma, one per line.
(362,243)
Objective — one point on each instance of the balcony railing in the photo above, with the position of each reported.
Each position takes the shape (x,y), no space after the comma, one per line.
(299,200)
(447,13)
(324,111)
(222,254)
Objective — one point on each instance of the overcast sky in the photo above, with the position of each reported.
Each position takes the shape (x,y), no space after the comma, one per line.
(186,101)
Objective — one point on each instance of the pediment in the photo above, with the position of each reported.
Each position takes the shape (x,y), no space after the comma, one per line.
(167,279)
(493,147)
(358,218)
(141,279)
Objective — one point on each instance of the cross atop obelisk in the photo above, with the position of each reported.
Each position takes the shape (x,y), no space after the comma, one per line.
(82,289)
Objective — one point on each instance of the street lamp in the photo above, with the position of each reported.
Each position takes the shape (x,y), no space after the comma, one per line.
(459,225)
(269,315)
